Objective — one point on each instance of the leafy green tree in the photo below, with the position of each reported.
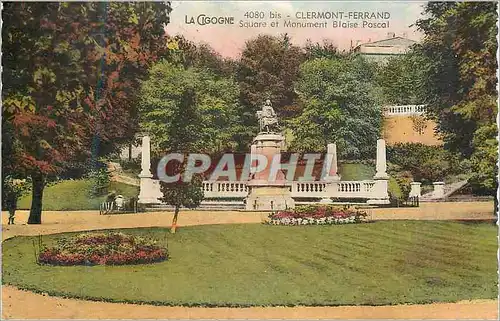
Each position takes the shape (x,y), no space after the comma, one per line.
(189,110)
(426,163)
(401,79)
(201,56)
(182,194)
(184,132)
(460,80)
(338,106)
(267,69)
(322,50)
(484,159)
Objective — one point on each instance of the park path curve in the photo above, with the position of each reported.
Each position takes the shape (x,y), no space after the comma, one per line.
(18,304)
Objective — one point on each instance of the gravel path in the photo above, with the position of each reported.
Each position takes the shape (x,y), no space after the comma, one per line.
(19,304)
(27,305)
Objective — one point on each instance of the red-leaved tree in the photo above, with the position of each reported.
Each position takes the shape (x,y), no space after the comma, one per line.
(70,74)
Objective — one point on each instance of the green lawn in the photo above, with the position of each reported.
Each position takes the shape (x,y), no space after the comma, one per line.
(73,195)
(356,172)
(377,263)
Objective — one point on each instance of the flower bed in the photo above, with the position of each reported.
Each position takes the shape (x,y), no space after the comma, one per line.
(103,249)
(317,215)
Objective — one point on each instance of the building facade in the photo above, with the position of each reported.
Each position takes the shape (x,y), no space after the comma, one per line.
(382,50)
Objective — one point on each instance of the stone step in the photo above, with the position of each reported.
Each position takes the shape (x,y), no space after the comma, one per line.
(449,189)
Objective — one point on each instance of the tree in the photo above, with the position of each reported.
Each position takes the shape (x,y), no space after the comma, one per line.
(183,132)
(322,50)
(70,68)
(426,163)
(187,110)
(201,56)
(267,70)
(338,106)
(460,79)
(182,194)
(484,159)
(401,79)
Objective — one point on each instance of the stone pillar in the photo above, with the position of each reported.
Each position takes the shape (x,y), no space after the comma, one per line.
(146,157)
(415,189)
(332,168)
(380,194)
(149,189)
(438,190)
(381,166)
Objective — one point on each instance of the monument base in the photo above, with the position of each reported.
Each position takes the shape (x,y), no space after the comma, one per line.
(149,192)
(269,198)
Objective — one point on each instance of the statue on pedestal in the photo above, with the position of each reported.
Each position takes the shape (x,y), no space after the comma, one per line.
(268,120)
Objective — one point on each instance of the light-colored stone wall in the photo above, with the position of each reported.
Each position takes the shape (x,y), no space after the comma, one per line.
(383,50)
(404,129)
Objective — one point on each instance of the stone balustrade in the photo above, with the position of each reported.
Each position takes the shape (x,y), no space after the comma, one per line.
(404,110)
(331,187)
(305,189)
(309,189)
(312,189)
(355,189)
(224,189)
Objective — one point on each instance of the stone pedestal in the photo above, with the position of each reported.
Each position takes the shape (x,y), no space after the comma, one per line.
(380,196)
(438,190)
(380,193)
(265,192)
(415,189)
(269,198)
(149,190)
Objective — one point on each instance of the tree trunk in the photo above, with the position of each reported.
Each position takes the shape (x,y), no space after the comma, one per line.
(495,209)
(36,202)
(174,220)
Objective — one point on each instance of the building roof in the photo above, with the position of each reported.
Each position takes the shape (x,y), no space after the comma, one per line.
(381,50)
(390,42)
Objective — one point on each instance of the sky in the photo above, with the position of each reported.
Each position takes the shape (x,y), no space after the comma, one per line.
(229,40)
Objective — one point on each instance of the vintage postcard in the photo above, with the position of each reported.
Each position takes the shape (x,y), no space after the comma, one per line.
(249,160)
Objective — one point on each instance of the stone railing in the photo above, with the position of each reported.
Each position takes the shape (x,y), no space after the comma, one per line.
(355,189)
(305,189)
(405,110)
(309,189)
(224,189)
(375,191)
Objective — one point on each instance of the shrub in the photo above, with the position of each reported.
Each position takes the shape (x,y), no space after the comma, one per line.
(317,215)
(103,249)
(132,166)
(426,163)
(399,184)
(100,182)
